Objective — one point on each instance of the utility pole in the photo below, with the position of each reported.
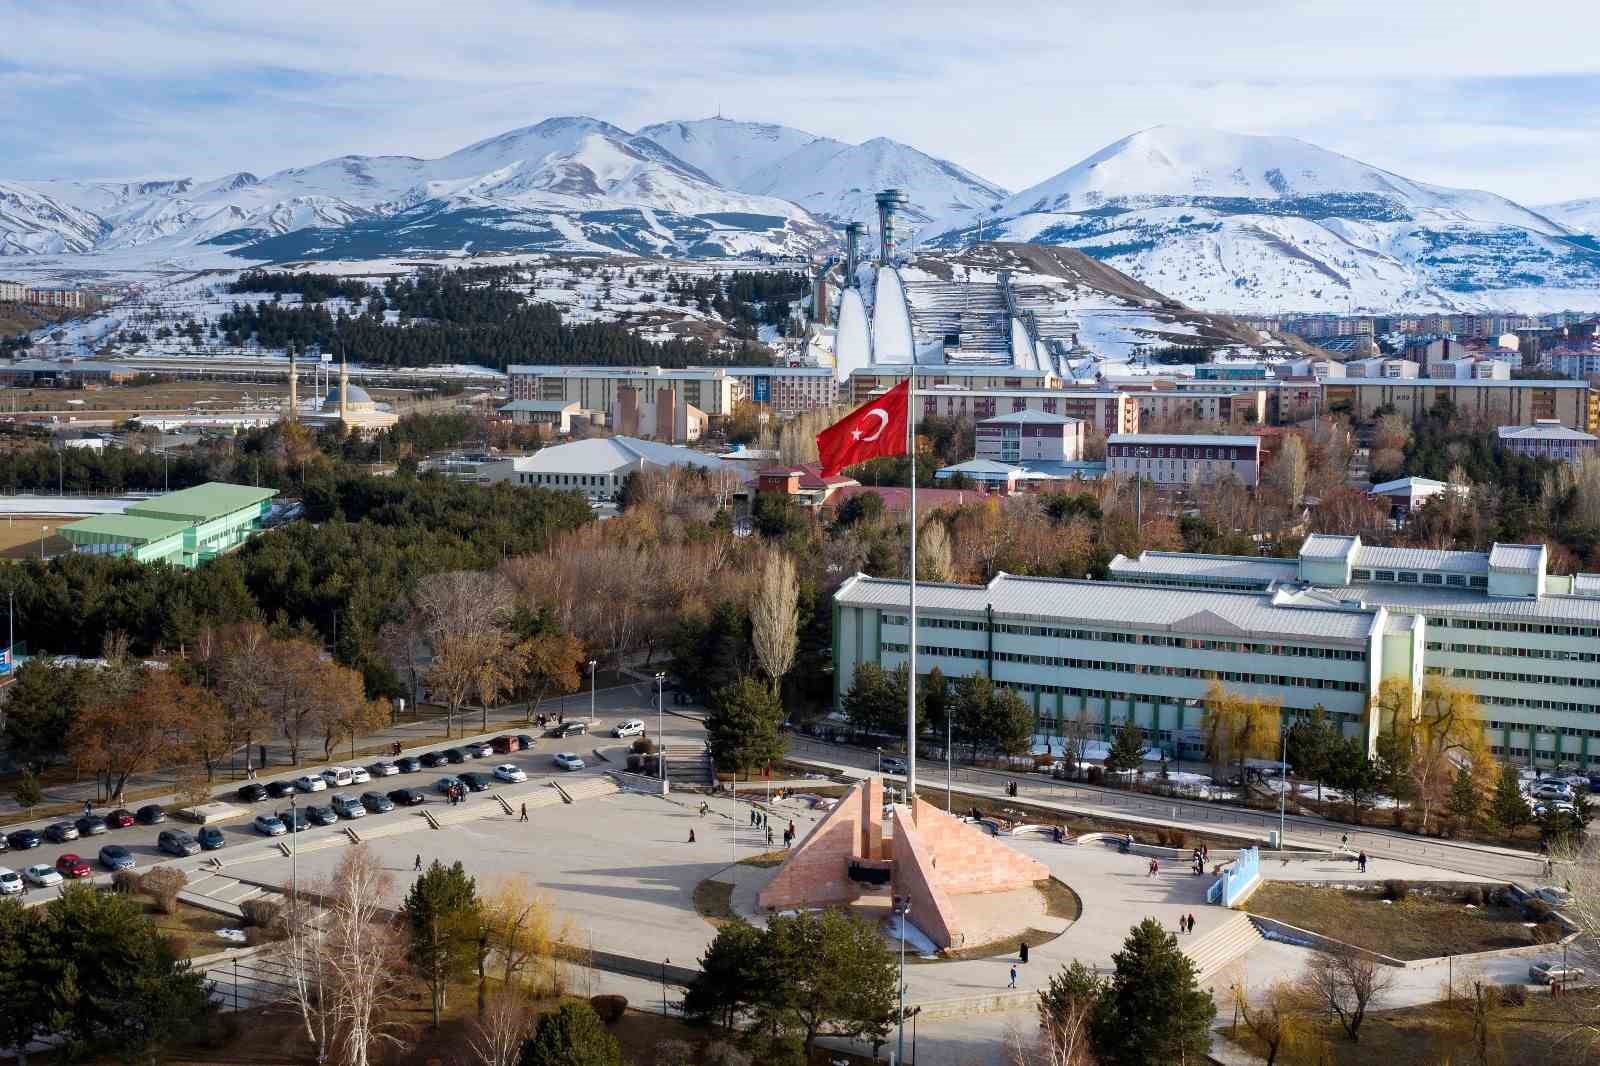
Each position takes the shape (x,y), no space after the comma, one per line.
(661,731)
(592,664)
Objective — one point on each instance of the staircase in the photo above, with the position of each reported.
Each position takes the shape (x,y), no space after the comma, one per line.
(688,766)
(1229,941)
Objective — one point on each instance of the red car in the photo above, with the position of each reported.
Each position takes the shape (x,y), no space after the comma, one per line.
(119,819)
(504,745)
(72,866)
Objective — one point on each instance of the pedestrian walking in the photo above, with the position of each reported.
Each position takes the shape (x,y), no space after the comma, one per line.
(524,817)
(1155,868)
(1022,952)
(1191,922)
(1013,983)
(691,836)
(87,808)
(1344,840)
(418,864)
(1205,853)
(1361,862)
(769,836)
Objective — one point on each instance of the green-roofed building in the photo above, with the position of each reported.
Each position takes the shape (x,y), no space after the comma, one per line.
(183,528)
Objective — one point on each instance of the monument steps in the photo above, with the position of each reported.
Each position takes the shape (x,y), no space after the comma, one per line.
(1229,941)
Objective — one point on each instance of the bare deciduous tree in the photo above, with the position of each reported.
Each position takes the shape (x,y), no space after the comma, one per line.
(497,1037)
(775,615)
(1348,983)
(363,945)
(933,553)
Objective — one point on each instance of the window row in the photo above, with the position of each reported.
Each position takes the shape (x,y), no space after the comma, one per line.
(1555,654)
(1447,622)
(1150,639)
(1113,666)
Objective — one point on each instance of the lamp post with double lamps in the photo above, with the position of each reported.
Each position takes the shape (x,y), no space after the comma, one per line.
(592,664)
(902,908)
(661,730)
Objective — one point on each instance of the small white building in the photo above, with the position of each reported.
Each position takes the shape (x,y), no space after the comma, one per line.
(1023,435)
(1410,493)
(1547,438)
(1382,367)
(1183,458)
(553,416)
(598,467)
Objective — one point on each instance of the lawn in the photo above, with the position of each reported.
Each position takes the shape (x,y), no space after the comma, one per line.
(1417,927)
(1542,1030)
(19,537)
(193,926)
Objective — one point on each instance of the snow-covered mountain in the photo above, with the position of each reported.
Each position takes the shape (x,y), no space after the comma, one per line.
(830,178)
(574,184)
(1581,215)
(1235,222)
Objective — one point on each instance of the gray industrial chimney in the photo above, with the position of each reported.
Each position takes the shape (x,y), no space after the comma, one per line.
(853,232)
(889,200)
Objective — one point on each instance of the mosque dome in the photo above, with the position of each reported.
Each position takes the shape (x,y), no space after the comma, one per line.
(357,395)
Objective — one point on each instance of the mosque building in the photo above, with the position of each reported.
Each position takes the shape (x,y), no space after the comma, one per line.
(346,407)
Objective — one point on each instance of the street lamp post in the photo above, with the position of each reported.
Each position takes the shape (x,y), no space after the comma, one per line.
(902,907)
(592,664)
(1283,782)
(661,731)
(880,760)
(43,530)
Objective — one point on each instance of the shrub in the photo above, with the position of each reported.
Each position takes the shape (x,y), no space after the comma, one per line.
(127,881)
(721,1053)
(643,746)
(1537,910)
(635,763)
(163,885)
(674,1053)
(1514,995)
(181,946)
(609,1008)
(262,913)
(1096,775)
(1396,889)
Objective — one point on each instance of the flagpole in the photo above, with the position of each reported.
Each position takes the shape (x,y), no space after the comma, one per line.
(911,678)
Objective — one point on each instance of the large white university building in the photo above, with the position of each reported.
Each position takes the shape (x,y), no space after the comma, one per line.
(1324,629)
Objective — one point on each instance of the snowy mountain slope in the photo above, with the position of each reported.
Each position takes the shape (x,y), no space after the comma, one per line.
(34,222)
(1581,215)
(1270,223)
(730,151)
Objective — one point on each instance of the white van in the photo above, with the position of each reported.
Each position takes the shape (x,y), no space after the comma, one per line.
(633,727)
(339,776)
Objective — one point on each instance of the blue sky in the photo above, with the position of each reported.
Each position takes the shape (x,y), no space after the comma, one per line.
(1489,95)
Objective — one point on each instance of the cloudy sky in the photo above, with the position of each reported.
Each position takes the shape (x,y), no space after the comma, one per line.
(1499,96)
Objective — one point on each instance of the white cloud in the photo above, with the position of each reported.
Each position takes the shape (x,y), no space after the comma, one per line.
(1014,92)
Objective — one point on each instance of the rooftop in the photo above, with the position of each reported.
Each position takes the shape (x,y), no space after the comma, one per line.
(1144,607)
(1544,431)
(1020,417)
(131,528)
(1407,485)
(1328,546)
(1519,558)
(1183,438)
(1215,567)
(547,406)
(211,500)
(602,455)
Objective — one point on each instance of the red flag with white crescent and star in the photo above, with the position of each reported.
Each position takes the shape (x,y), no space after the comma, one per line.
(871,431)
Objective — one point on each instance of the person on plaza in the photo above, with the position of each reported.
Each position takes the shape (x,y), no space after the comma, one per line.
(1013,983)
(769,836)
(704,807)
(1191,922)
(418,864)
(691,836)
(1344,840)
(87,808)
(1155,867)
(524,817)
(1022,952)
(1361,862)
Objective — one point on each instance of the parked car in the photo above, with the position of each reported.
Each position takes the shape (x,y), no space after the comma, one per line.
(431,759)
(308,783)
(455,755)
(90,825)
(297,820)
(526,741)
(269,825)
(1551,972)
(10,881)
(116,857)
(408,797)
(567,729)
(359,775)
(24,839)
(338,776)
(567,760)
(119,819)
(150,814)
(251,793)
(1554,895)
(508,772)
(476,782)
(211,838)
(445,784)
(1551,790)
(73,866)
(348,806)
(377,802)
(321,815)
(61,832)
(177,842)
(5,845)
(408,764)
(42,874)
(893,765)
(281,789)
(633,727)
(382,768)
(504,745)
(479,749)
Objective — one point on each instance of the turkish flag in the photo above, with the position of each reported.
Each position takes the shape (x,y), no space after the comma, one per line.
(870,431)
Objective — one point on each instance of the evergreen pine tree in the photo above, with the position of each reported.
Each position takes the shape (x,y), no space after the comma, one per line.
(1153,1010)
(1508,809)
(1127,748)
(1464,796)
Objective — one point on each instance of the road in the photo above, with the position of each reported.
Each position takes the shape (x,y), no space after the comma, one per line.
(536,762)
(1069,797)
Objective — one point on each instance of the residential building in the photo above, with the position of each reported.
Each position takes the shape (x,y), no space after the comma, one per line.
(1407,494)
(595,388)
(869,381)
(1312,367)
(1548,439)
(12,292)
(1523,640)
(1193,404)
(1021,436)
(1183,458)
(787,389)
(1492,403)
(184,528)
(552,417)
(1103,653)
(803,482)
(1105,410)
(1578,363)
(1382,367)
(598,466)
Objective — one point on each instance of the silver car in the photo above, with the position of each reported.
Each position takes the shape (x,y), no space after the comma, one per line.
(1551,972)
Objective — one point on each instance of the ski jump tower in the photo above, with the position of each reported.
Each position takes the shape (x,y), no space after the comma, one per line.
(889,201)
(853,232)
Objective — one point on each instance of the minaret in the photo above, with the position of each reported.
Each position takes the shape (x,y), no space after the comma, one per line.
(294,388)
(344,392)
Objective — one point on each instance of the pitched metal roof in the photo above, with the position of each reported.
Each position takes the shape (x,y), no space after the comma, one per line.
(134,529)
(1018,417)
(1373,557)
(1547,431)
(1183,438)
(1455,602)
(1144,607)
(1518,558)
(602,455)
(1207,567)
(211,500)
(1406,484)
(1328,546)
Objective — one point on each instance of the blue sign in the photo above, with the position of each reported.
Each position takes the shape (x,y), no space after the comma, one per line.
(761,389)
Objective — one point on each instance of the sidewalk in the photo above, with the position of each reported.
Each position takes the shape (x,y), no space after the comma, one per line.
(1482,860)
(159,786)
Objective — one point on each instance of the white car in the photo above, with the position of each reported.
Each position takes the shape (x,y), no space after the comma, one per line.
(10,882)
(508,772)
(359,775)
(479,749)
(310,784)
(42,874)
(339,776)
(633,727)
(569,761)
(383,768)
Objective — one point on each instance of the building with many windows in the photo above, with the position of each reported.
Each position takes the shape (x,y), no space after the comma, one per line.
(787,390)
(1183,458)
(595,388)
(184,528)
(1548,439)
(1491,402)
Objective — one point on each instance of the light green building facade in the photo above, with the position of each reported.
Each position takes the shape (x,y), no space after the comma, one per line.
(184,528)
